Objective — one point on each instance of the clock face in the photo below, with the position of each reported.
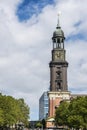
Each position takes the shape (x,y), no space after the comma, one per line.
(59,55)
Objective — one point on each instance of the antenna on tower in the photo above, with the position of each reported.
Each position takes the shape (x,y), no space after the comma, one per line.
(58,24)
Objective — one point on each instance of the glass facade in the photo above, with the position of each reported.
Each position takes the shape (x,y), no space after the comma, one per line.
(43,106)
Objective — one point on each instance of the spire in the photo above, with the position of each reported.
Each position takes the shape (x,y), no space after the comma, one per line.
(58,24)
(58,36)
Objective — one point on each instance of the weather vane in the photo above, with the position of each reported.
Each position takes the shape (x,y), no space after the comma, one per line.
(59,13)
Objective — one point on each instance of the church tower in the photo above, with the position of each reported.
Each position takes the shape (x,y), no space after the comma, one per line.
(58,65)
(58,72)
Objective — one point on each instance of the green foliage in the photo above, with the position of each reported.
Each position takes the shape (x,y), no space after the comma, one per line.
(73,114)
(78,111)
(61,114)
(1,117)
(12,111)
(75,120)
(38,125)
(24,109)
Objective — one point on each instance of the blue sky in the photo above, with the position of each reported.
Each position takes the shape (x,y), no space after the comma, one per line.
(27,8)
(26,29)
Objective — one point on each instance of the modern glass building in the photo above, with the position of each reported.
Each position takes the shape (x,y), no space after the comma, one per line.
(43,106)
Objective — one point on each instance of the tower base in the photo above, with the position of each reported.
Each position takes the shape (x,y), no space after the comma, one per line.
(55,99)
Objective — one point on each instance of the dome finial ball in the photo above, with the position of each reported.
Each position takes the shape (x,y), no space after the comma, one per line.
(59,13)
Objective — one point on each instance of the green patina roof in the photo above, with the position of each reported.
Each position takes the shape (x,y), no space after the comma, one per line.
(58,32)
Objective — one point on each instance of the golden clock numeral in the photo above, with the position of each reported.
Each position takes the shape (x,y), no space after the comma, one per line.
(58,54)
(62,56)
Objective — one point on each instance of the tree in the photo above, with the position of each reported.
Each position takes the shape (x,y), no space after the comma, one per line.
(78,113)
(61,114)
(12,111)
(73,114)
(1,117)
(24,111)
(38,124)
(75,121)
(9,106)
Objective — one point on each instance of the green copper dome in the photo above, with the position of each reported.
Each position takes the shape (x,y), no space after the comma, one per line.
(58,33)
(58,37)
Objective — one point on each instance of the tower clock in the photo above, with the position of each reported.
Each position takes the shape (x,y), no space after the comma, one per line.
(58,55)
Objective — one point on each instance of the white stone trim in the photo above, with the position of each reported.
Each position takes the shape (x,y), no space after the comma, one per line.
(63,95)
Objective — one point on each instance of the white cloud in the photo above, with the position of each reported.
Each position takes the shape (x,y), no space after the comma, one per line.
(25,49)
(77,71)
